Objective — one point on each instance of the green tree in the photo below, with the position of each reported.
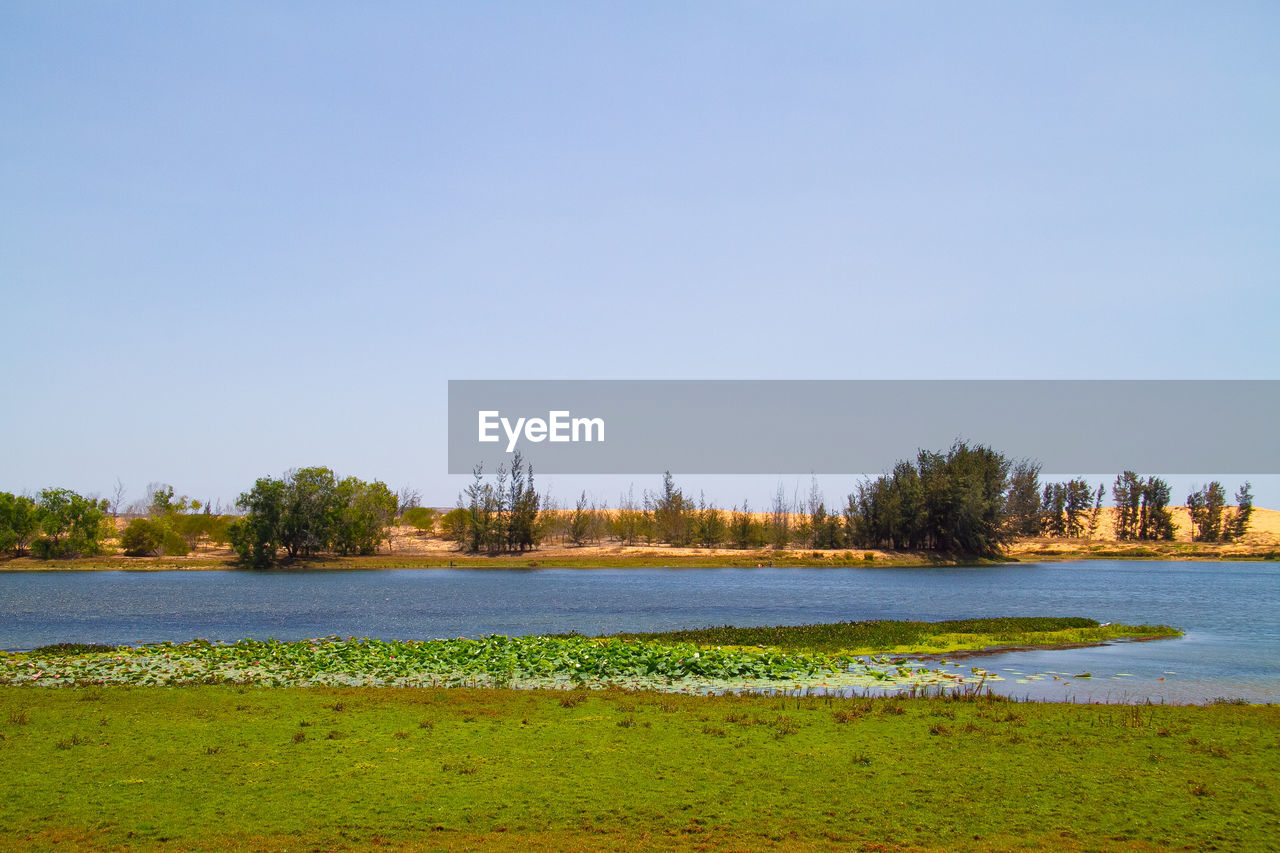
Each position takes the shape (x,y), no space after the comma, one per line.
(258,536)
(1239,524)
(1077,503)
(1126,493)
(1155,518)
(672,513)
(504,514)
(580,521)
(19,523)
(710,528)
(71,524)
(629,522)
(1022,503)
(308,512)
(1205,507)
(484,506)
(311,511)
(1095,515)
(522,529)
(745,531)
(365,512)
(1054,509)
(455,527)
(828,532)
(954,502)
(779,521)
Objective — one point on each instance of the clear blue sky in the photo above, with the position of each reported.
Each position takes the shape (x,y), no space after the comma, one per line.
(241,237)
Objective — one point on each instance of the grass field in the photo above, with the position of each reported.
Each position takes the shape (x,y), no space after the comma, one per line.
(217,767)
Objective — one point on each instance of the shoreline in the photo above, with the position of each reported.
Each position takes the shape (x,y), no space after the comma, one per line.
(406,547)
(642,559)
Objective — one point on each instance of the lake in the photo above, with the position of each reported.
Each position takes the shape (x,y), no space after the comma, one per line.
(1230,612)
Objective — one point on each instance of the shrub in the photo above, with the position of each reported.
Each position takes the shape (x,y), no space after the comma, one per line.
(142,538)
(173,544)
(421,518)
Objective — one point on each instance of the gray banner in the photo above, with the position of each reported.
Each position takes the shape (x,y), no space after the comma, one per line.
(862,426)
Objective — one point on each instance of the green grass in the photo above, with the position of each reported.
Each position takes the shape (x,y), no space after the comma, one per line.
(215,768)
(900,637)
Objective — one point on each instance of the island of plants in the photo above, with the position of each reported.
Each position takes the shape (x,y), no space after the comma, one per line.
(843,656)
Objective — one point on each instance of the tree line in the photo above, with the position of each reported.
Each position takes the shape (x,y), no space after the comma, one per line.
(56,524)
(969,499)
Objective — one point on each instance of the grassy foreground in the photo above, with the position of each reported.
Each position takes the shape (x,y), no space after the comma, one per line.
(219,767)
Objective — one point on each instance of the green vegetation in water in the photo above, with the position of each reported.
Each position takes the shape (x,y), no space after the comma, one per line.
(528,662)
(216,768)
(886,636)
(715,659)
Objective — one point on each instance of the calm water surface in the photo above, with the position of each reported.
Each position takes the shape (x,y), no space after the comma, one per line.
(1230,612)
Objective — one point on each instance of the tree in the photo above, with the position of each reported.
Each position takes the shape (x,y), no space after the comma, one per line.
(954,502)
(780,520)
(1127,495)
(1022,503)
(672,513)
(828,533)
(1239,524)
(502,515)
(309,511)
(117,497)
(522,529)
(630,521)
(744,530)
(1156,521)
(19,523)
(1077,503)
(1095,516)
(406,499)
(257,536)
(580,521)
(71,524)
(365,513)
(455,527)
(1054,509)
(483,504)
(710,528)
(1205,507)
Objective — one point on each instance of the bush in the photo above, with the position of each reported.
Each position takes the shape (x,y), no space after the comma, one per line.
(220,529)
(173,545)
(421,518)
(152,537)
(142,538)
(456,526)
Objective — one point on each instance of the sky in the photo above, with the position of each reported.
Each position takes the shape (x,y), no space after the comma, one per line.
(237,238)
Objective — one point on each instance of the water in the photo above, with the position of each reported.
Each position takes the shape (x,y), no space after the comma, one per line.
(1229,611)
